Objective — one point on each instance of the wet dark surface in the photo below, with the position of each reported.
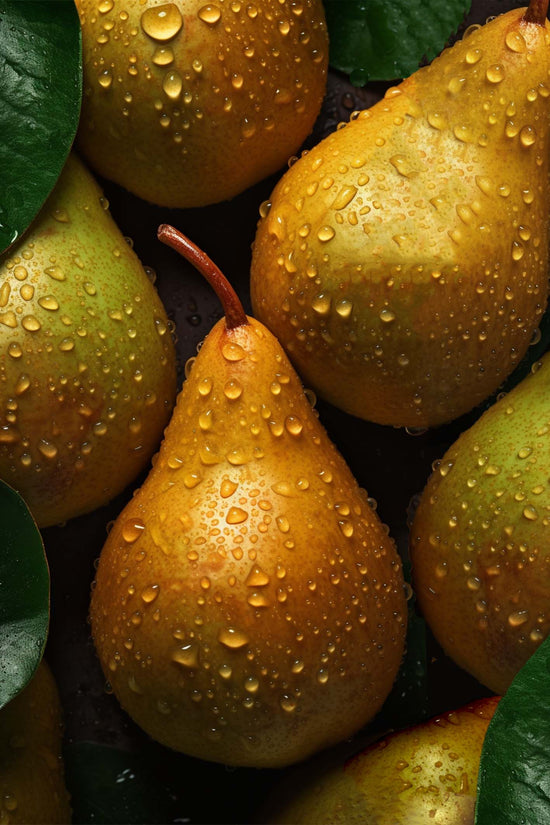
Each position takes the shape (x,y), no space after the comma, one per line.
(391,464)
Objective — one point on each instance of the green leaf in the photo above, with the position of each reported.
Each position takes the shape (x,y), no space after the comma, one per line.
(388,39)
(40,95)
(514,774)
(24,594)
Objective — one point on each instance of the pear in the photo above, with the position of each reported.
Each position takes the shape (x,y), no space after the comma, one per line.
(479,538)
(189,103)
(32,783)
(402,262)
(248,606)
(87,363)
(425,773)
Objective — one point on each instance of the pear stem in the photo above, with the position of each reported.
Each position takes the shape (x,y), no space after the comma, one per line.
(235,315)
(536,12)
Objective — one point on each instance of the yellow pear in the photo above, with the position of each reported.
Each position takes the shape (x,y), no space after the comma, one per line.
(426,773)
(189,103)
(249,605)
(479,538)
(402,262)
(32,784)
(87,362)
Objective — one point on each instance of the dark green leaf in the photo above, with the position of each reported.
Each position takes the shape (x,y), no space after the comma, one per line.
(388,39)
(40,94)
(514,774)
(24,594)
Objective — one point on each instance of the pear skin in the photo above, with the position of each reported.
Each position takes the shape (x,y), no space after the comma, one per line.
(248,606)
(32,783)
(189,103)
(426,773)
(479,538)
(87,361)
(402,262)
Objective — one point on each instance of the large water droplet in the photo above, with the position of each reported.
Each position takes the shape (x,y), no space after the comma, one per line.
(232,638)
(162,22)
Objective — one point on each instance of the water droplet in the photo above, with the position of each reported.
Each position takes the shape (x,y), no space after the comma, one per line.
(227,488)
(515,41)
(105,79)
(47,448)
(235,515)
(288,703)
(344,197)
(209,14)
(257,577)
(232,638)
(150,593)
(132,530)
(233,389)
(31,324)
(293,425)
(386,315)
(495,73)
(321,304)
(162,22)
(172,85)
(527,136)
(163,56)
(232,351)
(205,386)
(187,655)
(22,384)
(326,233)
(518,618)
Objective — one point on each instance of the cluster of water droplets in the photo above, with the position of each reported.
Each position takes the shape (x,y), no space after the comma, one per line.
(167,46)
(235,528)
(52,307)
(339,201)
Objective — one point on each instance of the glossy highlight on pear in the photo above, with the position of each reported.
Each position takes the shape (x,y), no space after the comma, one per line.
(249,605)
(189,103)
(402,262)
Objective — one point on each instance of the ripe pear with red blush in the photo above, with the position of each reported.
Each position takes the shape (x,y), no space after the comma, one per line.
(262,591)
(402,262)
(425,773)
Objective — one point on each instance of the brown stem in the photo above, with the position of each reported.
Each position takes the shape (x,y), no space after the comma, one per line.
(235,315)
(536,12)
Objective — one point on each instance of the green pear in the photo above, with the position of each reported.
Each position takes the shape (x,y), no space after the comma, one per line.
(249,605)
(32,783)
(479,538)
(87,361)
(402,262)
(189,103)
(426,773)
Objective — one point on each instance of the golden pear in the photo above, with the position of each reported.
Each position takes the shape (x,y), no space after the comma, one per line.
(249,605)
(32,783)
(189,103)
(479,538)
(425,773)
(87,361)
(402,262)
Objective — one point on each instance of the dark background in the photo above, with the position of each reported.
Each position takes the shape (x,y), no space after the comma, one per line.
(138,780)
